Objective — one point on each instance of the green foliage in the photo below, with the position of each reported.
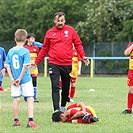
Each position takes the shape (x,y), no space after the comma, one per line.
(36,16)
(108,100)
(104,20)
(127,31)
(95,21)
(110,67)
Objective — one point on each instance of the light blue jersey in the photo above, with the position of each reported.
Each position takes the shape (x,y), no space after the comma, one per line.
(2,59)
(16,58)
(38,44)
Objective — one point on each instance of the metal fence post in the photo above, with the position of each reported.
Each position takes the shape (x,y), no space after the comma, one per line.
(92,68)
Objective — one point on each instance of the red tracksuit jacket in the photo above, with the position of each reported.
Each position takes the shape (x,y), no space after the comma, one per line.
(58,45)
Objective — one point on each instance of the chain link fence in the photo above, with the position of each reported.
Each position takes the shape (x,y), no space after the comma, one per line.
(102,49)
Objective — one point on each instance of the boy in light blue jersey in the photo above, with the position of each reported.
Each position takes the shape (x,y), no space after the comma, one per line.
(2,69)
(17,62)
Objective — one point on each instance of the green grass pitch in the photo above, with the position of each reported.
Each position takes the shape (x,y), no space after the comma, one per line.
(109,99)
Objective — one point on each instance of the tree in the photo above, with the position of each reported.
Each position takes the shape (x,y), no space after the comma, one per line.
(105,20)
(36,16)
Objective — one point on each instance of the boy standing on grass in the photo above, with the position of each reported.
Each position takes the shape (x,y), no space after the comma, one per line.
(129,51)
(34,51)
(76,71)
(17,62)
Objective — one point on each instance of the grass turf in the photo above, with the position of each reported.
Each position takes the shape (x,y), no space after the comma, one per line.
(109,100)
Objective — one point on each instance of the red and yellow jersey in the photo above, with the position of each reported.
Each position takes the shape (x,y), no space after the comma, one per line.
(75,109)
(131,57)
(75,60)
(34,50)
(130,78)
(131,61)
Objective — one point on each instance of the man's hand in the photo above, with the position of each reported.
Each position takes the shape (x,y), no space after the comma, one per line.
(32,66)
(78,73)
(86,61)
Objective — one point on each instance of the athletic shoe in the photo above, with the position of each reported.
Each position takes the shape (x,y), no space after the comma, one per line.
(32,124)
(127,111)
(36,101)
(86,117)
(71,100)
(1,89)
(94,119)
(16,123)
(62,109)
(56,111)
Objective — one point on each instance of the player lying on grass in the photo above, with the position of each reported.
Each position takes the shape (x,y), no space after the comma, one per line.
(76,113)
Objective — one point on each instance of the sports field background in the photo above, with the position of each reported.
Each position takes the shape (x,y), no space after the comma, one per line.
(109,99)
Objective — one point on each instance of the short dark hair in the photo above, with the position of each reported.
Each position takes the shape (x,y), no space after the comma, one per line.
(30,34)
(59,14)
(56,116)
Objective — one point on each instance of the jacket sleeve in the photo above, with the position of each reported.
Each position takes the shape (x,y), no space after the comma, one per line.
(43,52)
(78,44)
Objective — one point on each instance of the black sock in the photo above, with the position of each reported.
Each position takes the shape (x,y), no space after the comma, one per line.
(30,119)
(16,119)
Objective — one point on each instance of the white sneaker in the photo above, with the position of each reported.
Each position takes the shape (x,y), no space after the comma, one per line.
(71,100)
(62,109)
(56,111)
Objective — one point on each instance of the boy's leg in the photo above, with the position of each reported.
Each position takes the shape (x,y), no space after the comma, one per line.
(15,107)
(72,88)
(15,111)
(27,91)
(130,94)
(30,107)
(30,101)
(34,81)
(16,93)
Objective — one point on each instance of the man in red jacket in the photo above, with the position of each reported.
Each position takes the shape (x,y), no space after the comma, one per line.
(58,45)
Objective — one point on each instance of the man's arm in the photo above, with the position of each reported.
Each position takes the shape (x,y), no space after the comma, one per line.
(43,52)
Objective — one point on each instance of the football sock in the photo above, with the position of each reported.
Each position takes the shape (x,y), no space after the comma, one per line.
(30,119)
(79,120)
(16,119)
(60,84)
(130,101)
(72,92)
(35,90)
